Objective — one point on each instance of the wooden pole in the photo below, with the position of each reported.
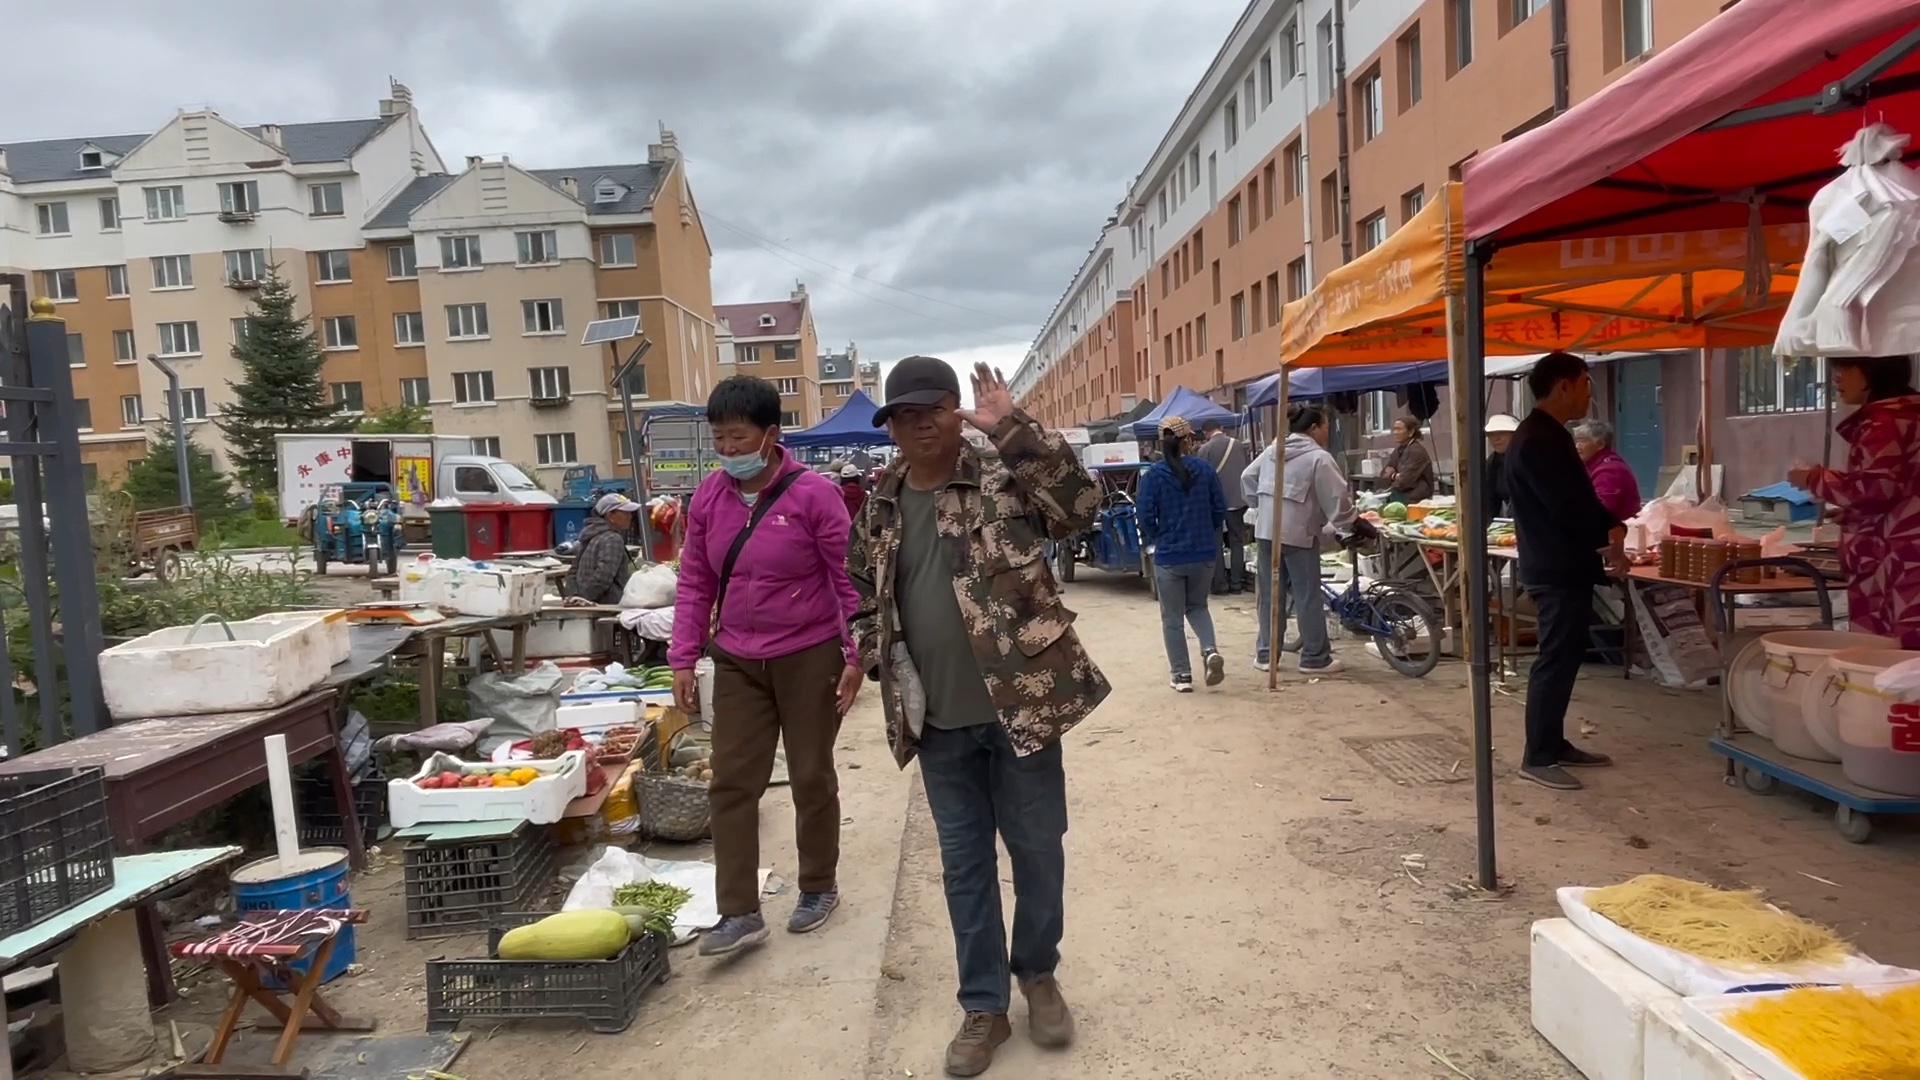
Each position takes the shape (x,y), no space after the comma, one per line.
(1276,623)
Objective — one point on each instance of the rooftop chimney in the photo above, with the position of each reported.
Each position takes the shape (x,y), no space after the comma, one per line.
(799,291)
(474,160)
(401,101)
(664,151)
(270,134)
(570,185)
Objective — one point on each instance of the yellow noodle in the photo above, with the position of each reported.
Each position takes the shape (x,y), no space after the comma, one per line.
(1839,1034)
(1734,928)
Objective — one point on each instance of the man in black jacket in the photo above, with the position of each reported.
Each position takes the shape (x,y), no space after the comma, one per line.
(1569,542)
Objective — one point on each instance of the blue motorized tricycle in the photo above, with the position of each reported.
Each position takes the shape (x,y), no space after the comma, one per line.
(358,524)
(1113,544)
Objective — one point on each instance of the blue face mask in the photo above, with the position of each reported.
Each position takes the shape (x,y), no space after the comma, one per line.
(745,466)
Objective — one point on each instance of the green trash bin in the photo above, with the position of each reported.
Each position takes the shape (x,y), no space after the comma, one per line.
(449,529)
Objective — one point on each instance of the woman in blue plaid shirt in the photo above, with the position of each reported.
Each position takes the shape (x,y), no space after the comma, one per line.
(1182,511)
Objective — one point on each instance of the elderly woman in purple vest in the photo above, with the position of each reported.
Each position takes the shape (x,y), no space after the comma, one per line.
(1611,475)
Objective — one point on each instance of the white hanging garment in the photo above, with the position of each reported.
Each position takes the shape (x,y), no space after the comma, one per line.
(1859,287)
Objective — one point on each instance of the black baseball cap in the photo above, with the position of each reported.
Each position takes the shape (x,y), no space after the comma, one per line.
(918,380)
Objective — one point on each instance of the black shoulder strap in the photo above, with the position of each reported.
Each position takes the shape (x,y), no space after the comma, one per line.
(760,508)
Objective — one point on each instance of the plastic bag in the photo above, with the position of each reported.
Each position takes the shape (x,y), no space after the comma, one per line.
(448,738)
(521,706)
(621,812)
(1859,289)
(1902,680)
(616,867)
(1660,516)
(652,587)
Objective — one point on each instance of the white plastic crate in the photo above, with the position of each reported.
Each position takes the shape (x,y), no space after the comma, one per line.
(541,802)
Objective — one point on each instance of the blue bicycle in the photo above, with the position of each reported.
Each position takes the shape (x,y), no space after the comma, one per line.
(1401,622)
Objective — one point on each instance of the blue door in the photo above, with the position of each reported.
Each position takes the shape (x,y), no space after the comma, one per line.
(1636,420)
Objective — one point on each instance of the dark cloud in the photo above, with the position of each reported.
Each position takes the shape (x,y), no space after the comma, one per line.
(965,152)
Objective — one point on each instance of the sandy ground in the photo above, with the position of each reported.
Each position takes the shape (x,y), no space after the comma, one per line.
(1242,901)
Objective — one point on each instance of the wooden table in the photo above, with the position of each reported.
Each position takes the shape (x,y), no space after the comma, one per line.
(428,644)
(164,771)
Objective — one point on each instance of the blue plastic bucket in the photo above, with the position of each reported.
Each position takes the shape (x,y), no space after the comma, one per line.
(318,880)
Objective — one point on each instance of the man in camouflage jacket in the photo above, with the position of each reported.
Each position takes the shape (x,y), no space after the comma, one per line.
(980,672)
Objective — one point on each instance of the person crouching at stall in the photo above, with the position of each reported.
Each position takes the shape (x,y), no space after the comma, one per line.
(601,567)
(764,591)
(1316,498)
(1877,496)
(1181,511)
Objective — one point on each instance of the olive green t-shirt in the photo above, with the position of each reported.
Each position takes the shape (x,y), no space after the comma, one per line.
(930,619)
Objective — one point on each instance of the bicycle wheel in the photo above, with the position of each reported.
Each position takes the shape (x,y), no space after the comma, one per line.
(1411,645)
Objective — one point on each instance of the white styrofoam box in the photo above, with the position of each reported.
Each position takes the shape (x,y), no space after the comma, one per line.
(1706,1015)
(339,631)
(597,716)
(542,802)
(551,637)
(644,697)
(1590,1004)
(1674,1051)
(491,591)
(188,670)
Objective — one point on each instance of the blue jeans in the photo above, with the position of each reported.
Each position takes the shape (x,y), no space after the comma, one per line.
(1183,592)
(977,787)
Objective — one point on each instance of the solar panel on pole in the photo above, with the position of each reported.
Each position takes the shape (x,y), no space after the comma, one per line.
(601,331)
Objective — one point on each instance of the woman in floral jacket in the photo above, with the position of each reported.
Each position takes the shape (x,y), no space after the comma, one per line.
(1877,497)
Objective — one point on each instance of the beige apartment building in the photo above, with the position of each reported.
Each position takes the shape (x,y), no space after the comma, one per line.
(465,293)
(777,341)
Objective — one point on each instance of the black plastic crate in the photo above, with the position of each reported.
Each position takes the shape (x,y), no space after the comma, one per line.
(604,993)
(56,847)
(320,823)
(458,886)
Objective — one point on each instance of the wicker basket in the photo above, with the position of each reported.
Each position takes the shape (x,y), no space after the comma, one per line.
(673,808)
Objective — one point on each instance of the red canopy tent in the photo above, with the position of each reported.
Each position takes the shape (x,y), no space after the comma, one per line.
(1734,127)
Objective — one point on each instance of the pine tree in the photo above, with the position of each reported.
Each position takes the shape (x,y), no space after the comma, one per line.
(281,391)
(154,482)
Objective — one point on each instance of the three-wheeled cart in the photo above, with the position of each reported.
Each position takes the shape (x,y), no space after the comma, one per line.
(1754,762)
(1113,544)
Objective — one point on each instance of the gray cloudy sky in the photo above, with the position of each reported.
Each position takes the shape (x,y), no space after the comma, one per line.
(963,150)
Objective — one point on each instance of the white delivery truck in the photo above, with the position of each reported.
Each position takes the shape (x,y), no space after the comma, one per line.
(421,468)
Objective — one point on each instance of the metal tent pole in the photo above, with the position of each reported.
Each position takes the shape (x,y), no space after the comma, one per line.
(1473,555)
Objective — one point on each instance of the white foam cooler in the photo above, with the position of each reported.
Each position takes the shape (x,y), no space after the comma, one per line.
(1590,1004)
(1674,1051)
(189,670)
(339,631)
(485,590)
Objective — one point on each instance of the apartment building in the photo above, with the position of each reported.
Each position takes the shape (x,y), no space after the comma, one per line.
(839,375)
(776,341)
(867,375)
(152,244)
(1245,204)
(1084,366)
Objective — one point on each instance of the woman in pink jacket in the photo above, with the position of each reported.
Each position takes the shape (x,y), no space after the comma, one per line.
(764,592)
(1877,497)
(1613,479)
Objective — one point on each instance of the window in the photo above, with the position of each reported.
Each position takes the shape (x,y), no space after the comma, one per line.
(486,446)
(179,339)
(123,347)
(1636,28)
(555,448)
(541,317)
(240,198)
(1233,221)
(790,419)
(403,261)
(249,264)
(332,266)
(415,392)
(1253,309)
(537,248)
(1520,11)
(786,350)
(459,253)
(172,272)
(787,386)
(60,284)
(1163,206)
(110,214)
(1412,202)
(1266,79)
(326,199)
(1330,206)
(1274,300)
(1410,68)
(1269,176)
(1323,53)
(619,309)
(1297,286)
(1376,412)
(1372,104)
(472,387)
(1459,35)
(76,351)
(409,328)
(636,381)
(1249,106)
(1295,157)
(339,332)
(166,203)
(466,321)
(1199,334)
(1290,51)
(349,397)
(117,280)
(1237,316)
(1193,168)
(193,403)
(746,354)
(1230,123)
(53,218)
(1777,384)
(131,414)
(1216,281)
(83,414)
(242,329)
(550,383)
(616,249)
(1373,230)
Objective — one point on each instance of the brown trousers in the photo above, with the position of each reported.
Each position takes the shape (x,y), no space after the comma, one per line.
(758,704)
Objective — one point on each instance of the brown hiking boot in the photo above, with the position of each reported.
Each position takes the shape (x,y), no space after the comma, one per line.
(1048,1018)
(971,1051)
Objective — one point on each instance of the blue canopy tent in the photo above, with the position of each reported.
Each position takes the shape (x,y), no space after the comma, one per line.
(1320,381)
(850,425)
(1184,403)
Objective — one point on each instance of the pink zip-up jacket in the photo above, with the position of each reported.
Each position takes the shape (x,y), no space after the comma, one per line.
(789,590)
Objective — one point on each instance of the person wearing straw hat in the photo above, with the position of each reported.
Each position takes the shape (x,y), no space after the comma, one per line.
(1181,511)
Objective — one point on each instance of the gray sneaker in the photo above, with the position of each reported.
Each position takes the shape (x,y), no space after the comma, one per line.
(812,911)
(1550,776)
(1216,668)
(734,933)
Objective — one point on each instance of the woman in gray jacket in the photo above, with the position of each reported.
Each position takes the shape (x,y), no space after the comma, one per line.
(1317,500)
